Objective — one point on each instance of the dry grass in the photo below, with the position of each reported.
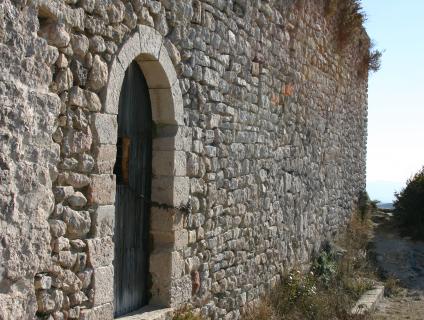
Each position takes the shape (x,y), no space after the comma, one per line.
(350,22)
(186,313)
(260,311)
(348,18)
(392,287)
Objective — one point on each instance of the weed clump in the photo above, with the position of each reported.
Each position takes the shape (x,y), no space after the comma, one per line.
(186,313)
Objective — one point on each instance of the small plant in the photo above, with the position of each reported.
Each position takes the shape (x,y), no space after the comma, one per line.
(295,295)
(357,286)
(392,287)
(186,313)
(374,60)
(409,206)
(371,61)
(325,267)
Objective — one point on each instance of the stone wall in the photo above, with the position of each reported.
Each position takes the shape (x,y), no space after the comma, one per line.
(259,154)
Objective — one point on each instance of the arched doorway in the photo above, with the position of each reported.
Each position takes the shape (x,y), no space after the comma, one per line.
(133,189)
(168,284)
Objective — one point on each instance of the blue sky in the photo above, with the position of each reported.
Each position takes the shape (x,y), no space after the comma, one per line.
(396,95)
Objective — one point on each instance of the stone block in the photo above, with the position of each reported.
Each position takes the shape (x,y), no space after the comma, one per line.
(169,163)
(77,200)
(129,51)
(98,76)
(166,264)
(100,251)
(67,259)
(167,105)
(150,42)
(77,180)
(181,290)
(165,220)
(172,191)
(210,77)
(103,285)
(57,227)
(105,158)
(155,76)
(42,282)
(175,239)
(103,221)
(173,52)
(77,97)
(80,45)
(102,189)
(60,244)
(55,34)
(103,312)
(79,71)
(104,128)
(75,141)
(77,222)
(45,301)
(111,96)
(255,69)
(173,137)
(62,192)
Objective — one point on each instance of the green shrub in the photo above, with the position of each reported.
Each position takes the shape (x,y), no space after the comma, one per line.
(409,206)
(325,267)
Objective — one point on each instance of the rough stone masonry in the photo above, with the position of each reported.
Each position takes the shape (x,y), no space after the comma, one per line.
(259,154)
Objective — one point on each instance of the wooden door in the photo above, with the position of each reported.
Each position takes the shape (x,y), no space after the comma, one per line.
(133,187)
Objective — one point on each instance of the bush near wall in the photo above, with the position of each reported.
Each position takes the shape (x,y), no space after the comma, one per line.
(409,206)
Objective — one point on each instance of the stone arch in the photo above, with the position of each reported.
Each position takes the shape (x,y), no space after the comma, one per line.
(170,185)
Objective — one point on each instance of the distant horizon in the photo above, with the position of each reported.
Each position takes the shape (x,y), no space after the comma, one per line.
(395,108)
(384,191)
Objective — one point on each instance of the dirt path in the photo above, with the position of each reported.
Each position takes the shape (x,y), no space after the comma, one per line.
(402,259)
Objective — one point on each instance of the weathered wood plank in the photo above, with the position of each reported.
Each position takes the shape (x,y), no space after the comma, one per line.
(133,170)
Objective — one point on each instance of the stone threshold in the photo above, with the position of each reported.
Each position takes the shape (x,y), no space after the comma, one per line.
(368,301)
(149,313)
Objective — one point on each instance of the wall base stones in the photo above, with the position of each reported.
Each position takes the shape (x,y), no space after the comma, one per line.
(259,148)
